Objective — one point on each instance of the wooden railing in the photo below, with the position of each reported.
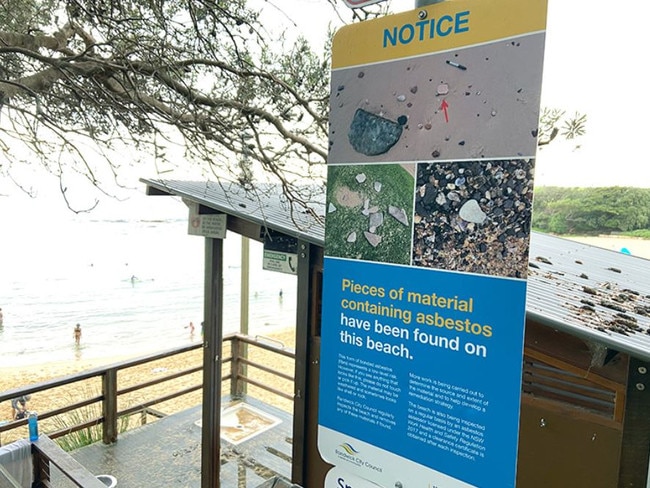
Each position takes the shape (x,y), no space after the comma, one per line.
(238,371)
(47,455)
(44,459)
(239,362)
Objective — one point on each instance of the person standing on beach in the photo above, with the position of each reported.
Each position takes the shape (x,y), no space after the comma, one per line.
(19,406)
(77,334)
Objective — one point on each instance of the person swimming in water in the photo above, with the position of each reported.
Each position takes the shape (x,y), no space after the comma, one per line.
(77,334)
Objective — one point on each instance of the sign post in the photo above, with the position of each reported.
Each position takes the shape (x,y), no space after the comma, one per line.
(433,126)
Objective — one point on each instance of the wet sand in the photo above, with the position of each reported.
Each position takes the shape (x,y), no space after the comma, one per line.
(15,377)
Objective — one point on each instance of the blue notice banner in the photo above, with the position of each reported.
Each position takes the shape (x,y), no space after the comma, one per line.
(424,364)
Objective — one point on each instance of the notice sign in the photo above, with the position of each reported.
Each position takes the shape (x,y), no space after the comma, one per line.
(433,133)
(206,225)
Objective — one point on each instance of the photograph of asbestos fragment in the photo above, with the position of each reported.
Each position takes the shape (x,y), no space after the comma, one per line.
(472,103)
(474,216)
(369,212)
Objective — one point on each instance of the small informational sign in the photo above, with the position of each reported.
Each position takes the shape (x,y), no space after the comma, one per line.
(280,252)
(433,124)
(360,3)
(206,225)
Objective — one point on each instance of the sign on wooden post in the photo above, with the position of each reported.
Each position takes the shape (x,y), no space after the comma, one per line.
(433,134)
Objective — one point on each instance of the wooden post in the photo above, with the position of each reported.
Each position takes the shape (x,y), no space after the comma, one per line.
(109,406)
(242,387)
(212,348)
(636,428)
(41,469)
(303,324)
(235,367)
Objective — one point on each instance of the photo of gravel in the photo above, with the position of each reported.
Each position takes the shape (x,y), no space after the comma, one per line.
(369,212)
(448,106)
(474,216)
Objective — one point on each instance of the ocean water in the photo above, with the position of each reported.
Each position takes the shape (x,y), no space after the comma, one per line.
(134,284)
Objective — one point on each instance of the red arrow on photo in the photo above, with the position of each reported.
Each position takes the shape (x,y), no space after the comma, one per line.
(444,107)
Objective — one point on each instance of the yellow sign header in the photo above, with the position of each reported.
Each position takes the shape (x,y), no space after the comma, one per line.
(444,26)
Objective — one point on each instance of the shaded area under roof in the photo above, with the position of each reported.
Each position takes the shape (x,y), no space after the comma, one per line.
(593,293)
(265,205)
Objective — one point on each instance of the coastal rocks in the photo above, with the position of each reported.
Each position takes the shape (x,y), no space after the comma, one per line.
(372,134)
(475,217)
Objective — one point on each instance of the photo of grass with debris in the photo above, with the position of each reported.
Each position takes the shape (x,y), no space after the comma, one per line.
(370,212)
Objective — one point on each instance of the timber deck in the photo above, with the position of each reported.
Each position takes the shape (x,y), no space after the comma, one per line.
(167,453)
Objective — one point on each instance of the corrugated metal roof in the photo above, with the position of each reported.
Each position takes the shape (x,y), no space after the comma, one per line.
(264,205)
(590,292)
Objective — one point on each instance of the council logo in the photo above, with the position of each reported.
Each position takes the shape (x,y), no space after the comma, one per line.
(347,447)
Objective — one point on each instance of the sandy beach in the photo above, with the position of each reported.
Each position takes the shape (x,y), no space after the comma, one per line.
(637,247)
(15,377)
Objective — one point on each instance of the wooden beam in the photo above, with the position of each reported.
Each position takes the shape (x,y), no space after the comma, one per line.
(109,406)
(212,347)
(242,388)
(303,316)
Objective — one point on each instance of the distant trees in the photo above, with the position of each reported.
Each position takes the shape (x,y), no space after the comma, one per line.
(562,210)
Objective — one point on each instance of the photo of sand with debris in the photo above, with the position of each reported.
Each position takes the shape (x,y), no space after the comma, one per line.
(471,103)
(370,212)
(474,216)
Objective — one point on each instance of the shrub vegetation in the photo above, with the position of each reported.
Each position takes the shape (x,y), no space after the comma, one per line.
(589,211)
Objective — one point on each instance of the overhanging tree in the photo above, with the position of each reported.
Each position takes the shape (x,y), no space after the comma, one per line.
(85,82)
(156,76)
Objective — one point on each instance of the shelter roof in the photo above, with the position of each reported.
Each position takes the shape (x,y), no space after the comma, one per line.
(593,293)
(265,205)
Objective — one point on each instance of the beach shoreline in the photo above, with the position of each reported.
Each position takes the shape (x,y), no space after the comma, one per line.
(12,377)
(637,246)
(21,376)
